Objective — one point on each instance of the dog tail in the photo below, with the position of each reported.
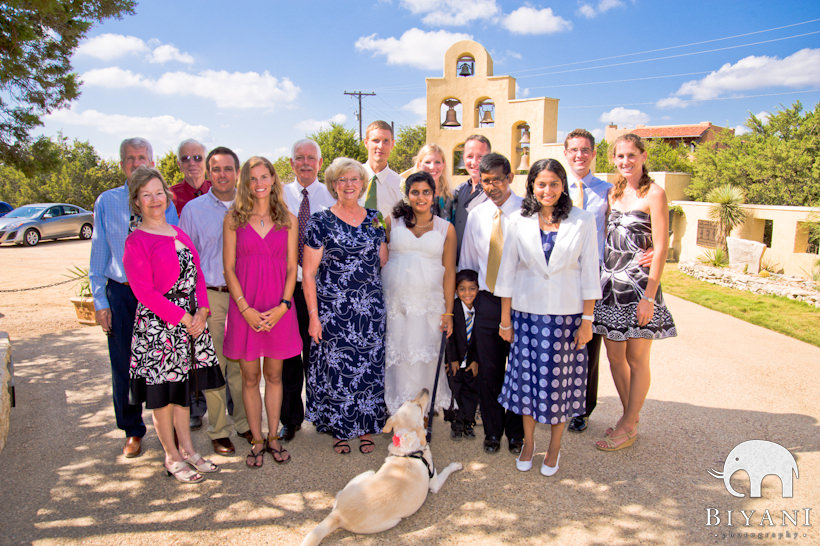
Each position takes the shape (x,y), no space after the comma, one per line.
(328,525)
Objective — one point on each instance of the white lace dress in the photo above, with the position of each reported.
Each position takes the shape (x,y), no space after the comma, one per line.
(414,297)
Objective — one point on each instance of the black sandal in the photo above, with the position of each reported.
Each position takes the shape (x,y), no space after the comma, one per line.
(366,442)
(256,460)
(274,452)
(342,445)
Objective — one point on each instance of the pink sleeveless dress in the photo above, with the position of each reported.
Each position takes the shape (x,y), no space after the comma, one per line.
(261,267)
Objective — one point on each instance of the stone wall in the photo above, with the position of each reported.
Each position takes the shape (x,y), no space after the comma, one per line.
(793,288)
(5,387)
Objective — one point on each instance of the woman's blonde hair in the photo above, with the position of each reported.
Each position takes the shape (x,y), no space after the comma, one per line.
(139,178)
(620,182)
(242,207)
(443,184)
(340,166)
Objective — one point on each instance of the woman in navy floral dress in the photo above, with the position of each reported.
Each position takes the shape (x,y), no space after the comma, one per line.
(341,277)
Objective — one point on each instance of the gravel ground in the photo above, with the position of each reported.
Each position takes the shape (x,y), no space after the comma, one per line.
(721,382)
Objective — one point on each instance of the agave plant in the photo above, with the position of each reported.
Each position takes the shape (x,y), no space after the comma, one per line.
(80,274)
(727,210)
(716,258)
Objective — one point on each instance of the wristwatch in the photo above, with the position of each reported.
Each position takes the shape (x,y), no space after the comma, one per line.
(287,303)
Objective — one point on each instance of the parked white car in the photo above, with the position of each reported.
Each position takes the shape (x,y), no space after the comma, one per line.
(30,224)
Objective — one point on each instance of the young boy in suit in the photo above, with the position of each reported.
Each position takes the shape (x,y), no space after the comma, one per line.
(462,371)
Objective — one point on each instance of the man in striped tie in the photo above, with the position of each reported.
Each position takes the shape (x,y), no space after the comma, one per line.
(304,196)
(383,183)
(462,373)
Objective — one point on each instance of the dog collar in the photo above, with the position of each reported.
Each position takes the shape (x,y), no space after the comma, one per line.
(420,456)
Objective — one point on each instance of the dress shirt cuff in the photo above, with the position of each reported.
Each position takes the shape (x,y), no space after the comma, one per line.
(503,291)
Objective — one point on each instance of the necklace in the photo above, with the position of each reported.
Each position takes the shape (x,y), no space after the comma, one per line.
(423,226)
(548,221)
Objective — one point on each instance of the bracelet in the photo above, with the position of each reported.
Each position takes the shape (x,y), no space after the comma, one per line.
(245,309)
(647,298)
(590,318)
(312,311)
(240,298)
(446,314)
(505,327)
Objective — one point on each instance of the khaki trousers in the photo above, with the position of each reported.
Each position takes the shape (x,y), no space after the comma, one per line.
(218,425)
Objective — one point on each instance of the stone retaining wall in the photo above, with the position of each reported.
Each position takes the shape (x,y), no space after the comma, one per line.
(5,387)
(793,288)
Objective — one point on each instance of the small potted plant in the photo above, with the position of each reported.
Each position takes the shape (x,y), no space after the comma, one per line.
(83,302)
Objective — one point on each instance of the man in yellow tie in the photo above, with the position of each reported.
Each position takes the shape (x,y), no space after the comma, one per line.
(383,183)
(481,251)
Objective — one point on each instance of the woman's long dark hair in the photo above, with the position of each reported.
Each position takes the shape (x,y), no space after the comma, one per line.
(531,206)
(403,208)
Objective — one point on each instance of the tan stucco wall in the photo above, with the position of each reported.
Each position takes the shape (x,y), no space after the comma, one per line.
(673,183)
(788,236)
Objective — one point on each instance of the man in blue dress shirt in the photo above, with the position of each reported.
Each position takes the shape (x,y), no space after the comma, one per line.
(114,301)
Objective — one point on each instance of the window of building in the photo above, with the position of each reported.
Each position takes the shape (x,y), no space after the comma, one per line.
(768,227)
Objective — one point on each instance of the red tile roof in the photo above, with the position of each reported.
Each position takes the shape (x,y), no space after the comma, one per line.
(677,131)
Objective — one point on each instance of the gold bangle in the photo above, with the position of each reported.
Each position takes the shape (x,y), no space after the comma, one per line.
(446,314)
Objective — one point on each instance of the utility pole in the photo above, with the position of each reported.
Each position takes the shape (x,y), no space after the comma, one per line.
(359,115)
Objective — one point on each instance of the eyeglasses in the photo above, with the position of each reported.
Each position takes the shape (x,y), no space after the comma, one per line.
(187,158)
(582,151)
(354,180)
(495,182)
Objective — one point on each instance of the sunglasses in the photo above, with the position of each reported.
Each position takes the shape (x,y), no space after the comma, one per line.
(187,158)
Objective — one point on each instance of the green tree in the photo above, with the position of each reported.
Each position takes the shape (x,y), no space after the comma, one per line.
(78,178)
(37,39)
(338,142)
(665,157)
(168,166)
(408,142)
(284,170)
(727,210)
(777,163)
(602,162)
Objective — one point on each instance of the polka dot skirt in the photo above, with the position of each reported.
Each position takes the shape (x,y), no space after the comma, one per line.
(546,377)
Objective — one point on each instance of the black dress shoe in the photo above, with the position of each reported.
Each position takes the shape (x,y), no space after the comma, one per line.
(468,431)
(196,422)
(456,431)
(491,444)
(515,446)
(578,423)
(288,432)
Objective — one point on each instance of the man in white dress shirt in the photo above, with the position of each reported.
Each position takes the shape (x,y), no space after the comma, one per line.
(202,220)
(303,197)
(383,183)
(481,251)
(469,194)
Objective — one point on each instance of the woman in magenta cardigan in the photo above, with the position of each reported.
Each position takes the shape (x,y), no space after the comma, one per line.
(171,348)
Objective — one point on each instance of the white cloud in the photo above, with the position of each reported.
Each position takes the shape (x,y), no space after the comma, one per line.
(313,125)
(589,11)
(624,117)
(109,46)
(166,53)
(416,48)
(417,106)
(672,102)
(598,134)
(164,132)
(741,130)
(514,54)
(236,90)
(763,116)
(451,12)
(801,69)
(527,20)
(521,92)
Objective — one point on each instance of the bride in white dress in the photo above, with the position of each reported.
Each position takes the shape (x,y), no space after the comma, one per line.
(419,285)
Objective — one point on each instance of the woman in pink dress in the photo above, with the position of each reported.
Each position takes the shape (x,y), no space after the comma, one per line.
(260,256)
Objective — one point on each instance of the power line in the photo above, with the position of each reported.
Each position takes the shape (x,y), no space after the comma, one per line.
(691,100)
(621,81)
(670,47)
(359,114)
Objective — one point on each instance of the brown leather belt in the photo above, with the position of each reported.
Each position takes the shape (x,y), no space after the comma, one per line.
(219,288)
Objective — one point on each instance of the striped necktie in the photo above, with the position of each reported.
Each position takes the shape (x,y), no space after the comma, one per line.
(304,216)
(371,202)
(468,322)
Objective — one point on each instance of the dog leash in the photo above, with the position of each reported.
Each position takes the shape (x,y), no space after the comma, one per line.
(439,364)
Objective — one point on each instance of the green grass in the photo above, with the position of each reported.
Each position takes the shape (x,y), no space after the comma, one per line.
(792,318)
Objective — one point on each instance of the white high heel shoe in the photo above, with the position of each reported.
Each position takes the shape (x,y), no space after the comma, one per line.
(547,470)
(524,466)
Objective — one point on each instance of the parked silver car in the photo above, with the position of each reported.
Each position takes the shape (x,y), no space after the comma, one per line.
(30,223)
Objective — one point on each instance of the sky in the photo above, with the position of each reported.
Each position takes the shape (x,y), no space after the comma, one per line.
(258,75)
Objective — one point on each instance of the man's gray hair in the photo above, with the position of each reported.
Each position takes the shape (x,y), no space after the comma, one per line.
(302,142)
(138,143)
(190,141)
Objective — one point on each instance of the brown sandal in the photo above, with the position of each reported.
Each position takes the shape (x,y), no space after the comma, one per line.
(283,455)
(256,460)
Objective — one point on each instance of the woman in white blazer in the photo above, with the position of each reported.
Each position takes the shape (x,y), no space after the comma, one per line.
(548,282)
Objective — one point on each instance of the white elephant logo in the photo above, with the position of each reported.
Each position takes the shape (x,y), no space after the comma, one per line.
(759,458)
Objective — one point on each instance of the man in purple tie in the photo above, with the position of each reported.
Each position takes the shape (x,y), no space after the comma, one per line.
(304,196)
